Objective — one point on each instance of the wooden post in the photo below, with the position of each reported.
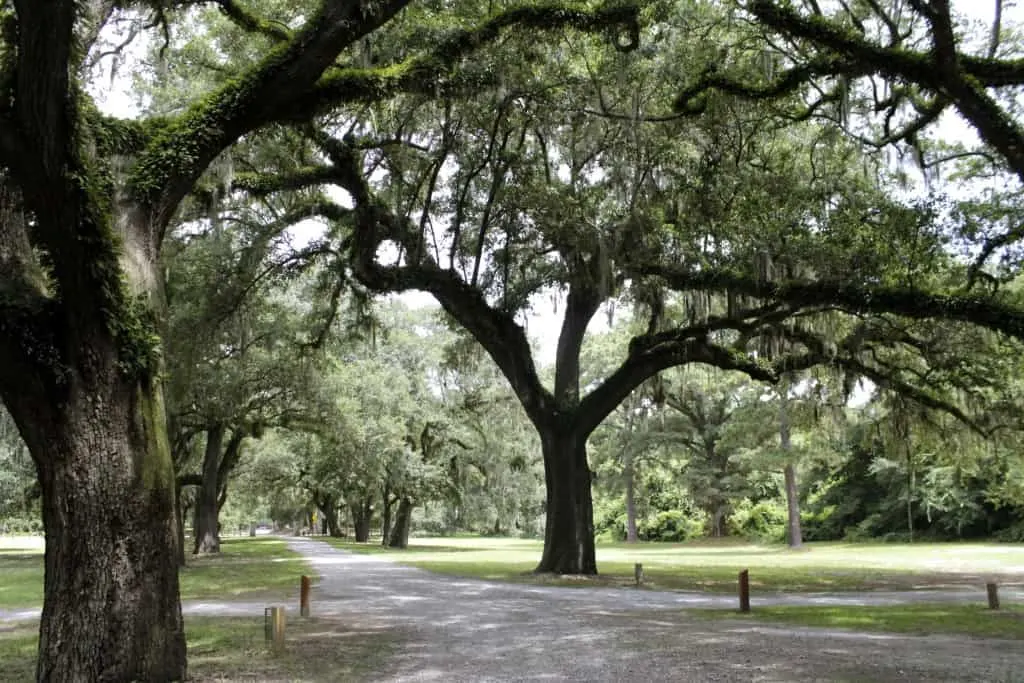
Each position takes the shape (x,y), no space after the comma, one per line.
(638,573)
(273,627)
(745,591)
(304,597)
(993,595)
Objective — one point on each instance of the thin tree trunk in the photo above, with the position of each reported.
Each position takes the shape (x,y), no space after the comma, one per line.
(403,522)
(385,527)
(569,527)
(179,518)
(629,473)
(207,536)
(110,609)
(794,534)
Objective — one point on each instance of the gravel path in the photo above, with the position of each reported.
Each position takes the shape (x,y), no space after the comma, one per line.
(439,628)
(449,629)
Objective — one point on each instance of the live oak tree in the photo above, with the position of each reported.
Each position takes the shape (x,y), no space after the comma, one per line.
(85,203)
(484,203)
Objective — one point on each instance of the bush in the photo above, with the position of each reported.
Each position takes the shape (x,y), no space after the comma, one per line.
(763,521)
(610,520)
(1012,534)
(671,526)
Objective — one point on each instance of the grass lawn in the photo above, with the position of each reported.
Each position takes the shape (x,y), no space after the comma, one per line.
(227,650)
(713,565)
(246,567)
(920,619)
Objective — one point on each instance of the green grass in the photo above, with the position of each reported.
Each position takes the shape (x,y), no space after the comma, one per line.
(919,619)
(233,649)
(713,565)
(246,568)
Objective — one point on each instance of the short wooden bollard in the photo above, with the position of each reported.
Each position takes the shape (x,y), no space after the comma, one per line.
(304,597)
(993,595)
(273,627)
(745,590)
(638,573)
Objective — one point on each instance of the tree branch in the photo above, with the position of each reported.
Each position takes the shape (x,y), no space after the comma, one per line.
(249,21)
(643,363)
(960,78)
(171,164)
(908,302)
(430,72)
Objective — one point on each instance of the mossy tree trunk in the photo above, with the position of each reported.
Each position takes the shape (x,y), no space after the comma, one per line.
(111,609)
(85,202)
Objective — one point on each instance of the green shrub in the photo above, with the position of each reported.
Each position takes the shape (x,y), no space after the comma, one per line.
(672,526)
(762,521)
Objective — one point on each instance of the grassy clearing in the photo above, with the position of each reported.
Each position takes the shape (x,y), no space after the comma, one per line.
(918,619)
(713,565)
(247,567)
(227,650)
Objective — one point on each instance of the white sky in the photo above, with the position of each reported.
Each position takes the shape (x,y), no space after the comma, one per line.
(543,320)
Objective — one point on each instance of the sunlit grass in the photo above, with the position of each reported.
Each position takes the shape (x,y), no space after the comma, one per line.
(921,619)
(246,567)
(714,565)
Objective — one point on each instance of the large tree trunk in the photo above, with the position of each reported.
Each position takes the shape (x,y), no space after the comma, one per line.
(362,514)
(207,535)
(569,527)
(403,522)
(111,609)
(629,473)
(330,510)
(794,534)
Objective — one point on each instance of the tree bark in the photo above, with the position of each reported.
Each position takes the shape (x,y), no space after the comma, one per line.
(569,527)
(111,610)
(179,518)
(385,527)
(362,513)
(629,473)
(794,534)
(330,511)
(403,522)
(207,536)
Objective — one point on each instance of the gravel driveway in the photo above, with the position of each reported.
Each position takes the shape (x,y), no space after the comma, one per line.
(448,629)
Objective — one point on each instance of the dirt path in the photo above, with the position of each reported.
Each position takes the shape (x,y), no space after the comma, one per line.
(444,628)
